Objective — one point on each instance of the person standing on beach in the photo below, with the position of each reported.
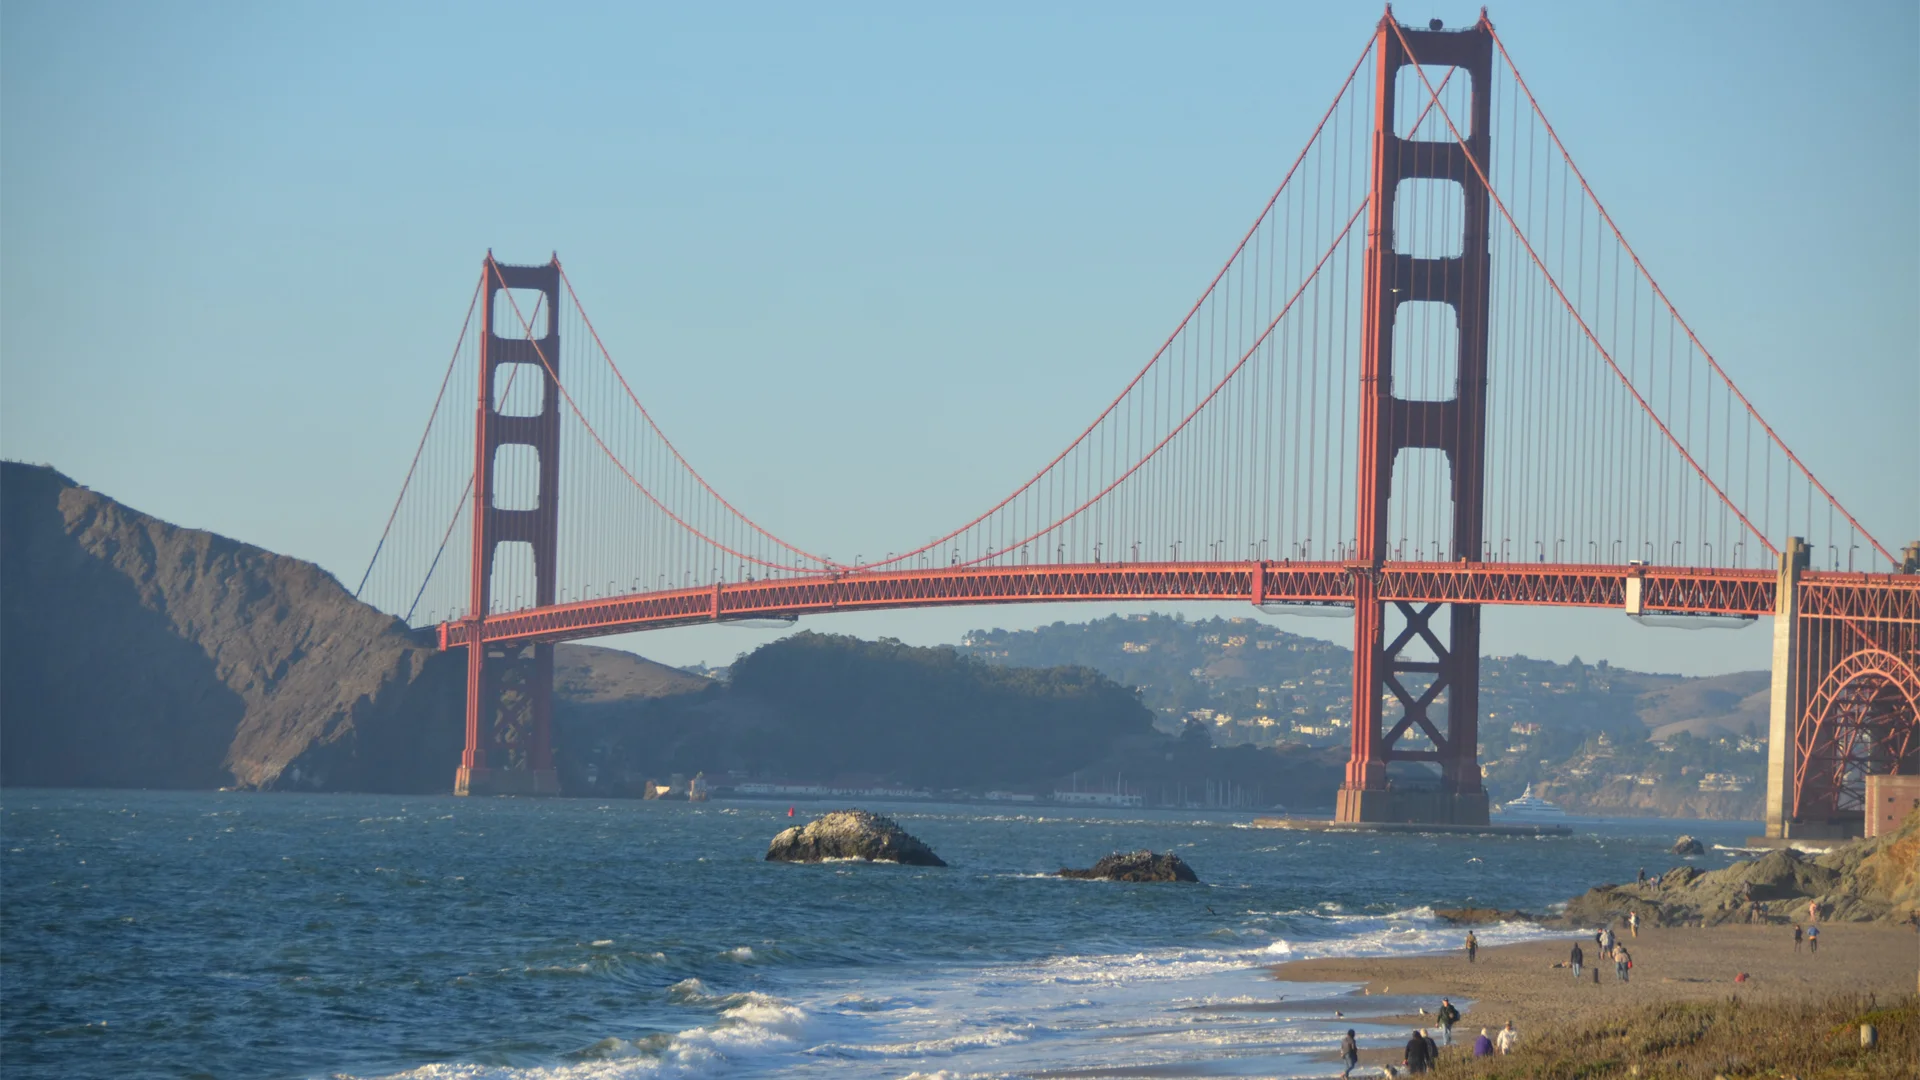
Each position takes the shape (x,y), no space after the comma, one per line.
(1813,939)
(1633,923)
(1483,1046)
(1449,1016)
(1508,1039)
(1798,933)
(1349,1054)
(1578,958)
(1621,961)
(1813,911)
(1473,946)
(1416,1059)
(1643,875)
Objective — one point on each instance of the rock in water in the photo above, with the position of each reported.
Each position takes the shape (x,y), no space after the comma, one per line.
(851,834)
(1687,845)
(1137,866)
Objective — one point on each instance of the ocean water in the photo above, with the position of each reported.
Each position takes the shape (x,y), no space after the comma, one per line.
(237,936)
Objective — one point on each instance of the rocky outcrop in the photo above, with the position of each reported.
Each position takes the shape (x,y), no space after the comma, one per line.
(1856,882)
(1688,845)
(1136,866)
(851,834)
(1473,916)
(141,654)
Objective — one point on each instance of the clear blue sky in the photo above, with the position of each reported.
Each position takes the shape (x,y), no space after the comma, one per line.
(869,265)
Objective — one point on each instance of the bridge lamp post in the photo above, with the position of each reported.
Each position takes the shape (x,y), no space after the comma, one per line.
(1851,548)
(1709,550)
(1676,552)
(1540,551)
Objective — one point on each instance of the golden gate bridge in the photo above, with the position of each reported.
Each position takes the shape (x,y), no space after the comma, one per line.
(1432,375)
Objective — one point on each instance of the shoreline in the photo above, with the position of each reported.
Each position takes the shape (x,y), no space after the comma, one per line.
(1521,982)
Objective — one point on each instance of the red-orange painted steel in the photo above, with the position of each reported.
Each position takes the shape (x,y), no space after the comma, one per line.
(512,729)
(1390,423)
(1680,590)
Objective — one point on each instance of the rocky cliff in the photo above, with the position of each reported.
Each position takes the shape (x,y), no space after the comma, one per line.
(137,653)
(1855,882)
(1628,798)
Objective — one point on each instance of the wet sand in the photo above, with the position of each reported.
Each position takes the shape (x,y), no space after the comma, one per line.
(1520,983)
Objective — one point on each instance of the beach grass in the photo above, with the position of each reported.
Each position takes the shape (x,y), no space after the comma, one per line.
(1731,1038)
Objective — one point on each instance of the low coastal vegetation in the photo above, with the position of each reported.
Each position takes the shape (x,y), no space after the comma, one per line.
(1817,1040)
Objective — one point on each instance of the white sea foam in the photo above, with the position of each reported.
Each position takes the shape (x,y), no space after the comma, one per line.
(754,1028)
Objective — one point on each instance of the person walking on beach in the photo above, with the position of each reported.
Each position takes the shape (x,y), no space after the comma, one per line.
(1416,1059)
(1577,958)
(1621,961)
(1798,934)
(1473,946)
(1349,1054)
(1813,939)
(1507,1040)
(1483,1046)
(1448,1016)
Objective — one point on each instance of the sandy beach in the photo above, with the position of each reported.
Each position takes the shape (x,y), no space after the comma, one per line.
(1520,982)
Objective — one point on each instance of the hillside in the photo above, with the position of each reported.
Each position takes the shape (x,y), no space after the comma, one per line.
(141,654)
(828,709)
(136,653)
(1596,738)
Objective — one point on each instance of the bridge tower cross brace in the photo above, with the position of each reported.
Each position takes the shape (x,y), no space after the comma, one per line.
(509,692)
(1390,424)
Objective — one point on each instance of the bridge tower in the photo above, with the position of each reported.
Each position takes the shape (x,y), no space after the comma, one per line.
(509,747)
(1383,667)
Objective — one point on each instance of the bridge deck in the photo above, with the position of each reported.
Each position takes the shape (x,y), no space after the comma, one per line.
(1665,589)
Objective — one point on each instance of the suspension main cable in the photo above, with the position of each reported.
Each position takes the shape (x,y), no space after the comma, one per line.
(567,396)
(417,450)
(668,443)
(1578,318)
(1674,311)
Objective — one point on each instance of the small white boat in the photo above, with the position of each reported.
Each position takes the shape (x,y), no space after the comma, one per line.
(1530,807)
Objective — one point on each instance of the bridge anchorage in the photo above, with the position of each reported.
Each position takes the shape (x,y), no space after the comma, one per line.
(1479,396)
